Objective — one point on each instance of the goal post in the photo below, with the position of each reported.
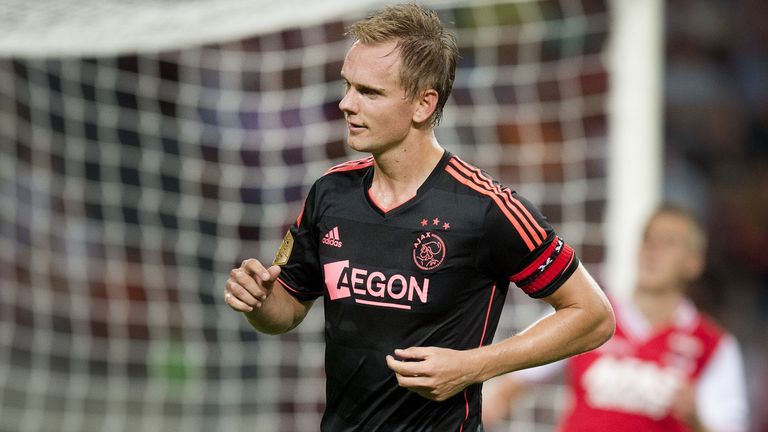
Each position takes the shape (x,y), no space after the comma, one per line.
(635,57)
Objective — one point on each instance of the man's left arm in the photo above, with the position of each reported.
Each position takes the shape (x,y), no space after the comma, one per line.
(583,320)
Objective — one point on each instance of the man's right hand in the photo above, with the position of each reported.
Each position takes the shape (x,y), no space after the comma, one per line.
(249,285)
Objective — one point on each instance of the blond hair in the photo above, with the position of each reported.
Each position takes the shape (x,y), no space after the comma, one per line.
(428,52)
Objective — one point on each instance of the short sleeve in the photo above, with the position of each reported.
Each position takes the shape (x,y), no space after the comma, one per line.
(521,246)
(721,395)
(298,255)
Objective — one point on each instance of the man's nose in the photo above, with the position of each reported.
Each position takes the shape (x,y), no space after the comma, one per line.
(347,104)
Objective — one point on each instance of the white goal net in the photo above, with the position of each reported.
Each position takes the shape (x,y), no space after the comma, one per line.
(147,147)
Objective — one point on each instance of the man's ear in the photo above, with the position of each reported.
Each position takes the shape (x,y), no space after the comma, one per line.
(425,106)
(694,267)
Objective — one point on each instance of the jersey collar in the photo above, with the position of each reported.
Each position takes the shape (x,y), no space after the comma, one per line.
(428,183)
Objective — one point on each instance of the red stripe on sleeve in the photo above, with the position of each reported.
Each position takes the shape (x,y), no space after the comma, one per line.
(513,204)
(528,214)
(469,183)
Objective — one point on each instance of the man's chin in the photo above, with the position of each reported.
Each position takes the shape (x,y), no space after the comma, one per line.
(652,286)
(358,146)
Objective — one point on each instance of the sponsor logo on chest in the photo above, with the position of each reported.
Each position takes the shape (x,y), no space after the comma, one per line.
(374,287)
(391,289)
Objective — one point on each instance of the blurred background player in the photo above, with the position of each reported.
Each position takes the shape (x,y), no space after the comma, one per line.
(668,368)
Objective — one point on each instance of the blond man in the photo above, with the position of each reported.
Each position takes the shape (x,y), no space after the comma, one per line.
(412,250)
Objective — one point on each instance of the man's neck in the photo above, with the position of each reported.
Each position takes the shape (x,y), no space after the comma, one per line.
(400,171)
(658,306)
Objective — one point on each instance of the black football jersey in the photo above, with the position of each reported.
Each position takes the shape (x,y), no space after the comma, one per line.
(433,271)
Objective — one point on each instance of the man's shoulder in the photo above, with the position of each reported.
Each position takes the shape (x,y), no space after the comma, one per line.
(345,174)
(352,166)
(472,180)
(457,166)
(503,202)
(708,326)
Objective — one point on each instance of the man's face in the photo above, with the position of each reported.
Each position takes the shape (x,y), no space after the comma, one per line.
(668,258)
(378,112)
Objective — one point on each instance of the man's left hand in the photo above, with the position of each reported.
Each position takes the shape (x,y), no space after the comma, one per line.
(431,372)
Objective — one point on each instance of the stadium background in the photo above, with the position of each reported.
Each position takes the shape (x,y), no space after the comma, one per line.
(133,177)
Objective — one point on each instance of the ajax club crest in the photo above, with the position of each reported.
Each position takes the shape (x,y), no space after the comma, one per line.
(428,251)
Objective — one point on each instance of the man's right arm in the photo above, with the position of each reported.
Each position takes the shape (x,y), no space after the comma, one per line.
(253,290)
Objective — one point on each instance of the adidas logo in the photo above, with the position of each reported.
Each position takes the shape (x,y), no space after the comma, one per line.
(331,238)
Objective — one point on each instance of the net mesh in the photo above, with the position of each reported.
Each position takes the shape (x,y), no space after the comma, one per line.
(130,184)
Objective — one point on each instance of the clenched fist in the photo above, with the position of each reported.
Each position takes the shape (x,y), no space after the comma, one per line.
(250,285)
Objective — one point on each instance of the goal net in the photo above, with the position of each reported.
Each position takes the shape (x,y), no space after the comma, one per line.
(147,147)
